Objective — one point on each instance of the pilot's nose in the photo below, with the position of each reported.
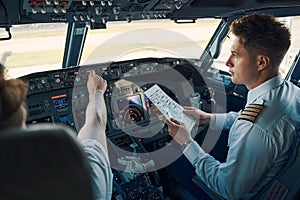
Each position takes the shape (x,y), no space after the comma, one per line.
(229,63)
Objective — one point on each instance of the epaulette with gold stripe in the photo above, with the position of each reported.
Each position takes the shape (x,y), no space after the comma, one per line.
(251,112)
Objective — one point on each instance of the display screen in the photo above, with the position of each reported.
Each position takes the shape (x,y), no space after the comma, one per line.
(64,119)
(46,119)
(131,109)
(60,102)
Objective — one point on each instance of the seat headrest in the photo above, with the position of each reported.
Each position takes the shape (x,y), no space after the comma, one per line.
(43,162)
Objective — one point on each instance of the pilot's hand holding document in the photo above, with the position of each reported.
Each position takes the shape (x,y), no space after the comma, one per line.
(168,107)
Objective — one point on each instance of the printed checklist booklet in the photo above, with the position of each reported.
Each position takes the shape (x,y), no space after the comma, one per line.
(168,107)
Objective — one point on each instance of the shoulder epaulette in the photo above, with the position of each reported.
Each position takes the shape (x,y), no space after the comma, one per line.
(251,112)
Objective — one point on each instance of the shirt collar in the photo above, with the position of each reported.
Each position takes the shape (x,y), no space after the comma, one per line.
(263,88)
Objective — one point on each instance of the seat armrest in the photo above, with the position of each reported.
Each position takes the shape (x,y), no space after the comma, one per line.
(208,191)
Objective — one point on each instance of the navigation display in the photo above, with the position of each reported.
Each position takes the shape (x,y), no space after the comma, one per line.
(60,102)
(131,109)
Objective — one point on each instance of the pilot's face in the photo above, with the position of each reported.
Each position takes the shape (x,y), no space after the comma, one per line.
(242,65)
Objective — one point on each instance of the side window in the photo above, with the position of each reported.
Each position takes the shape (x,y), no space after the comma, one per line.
(293,23)
(33,48)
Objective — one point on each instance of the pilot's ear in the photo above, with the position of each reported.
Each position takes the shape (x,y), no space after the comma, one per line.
(262,62)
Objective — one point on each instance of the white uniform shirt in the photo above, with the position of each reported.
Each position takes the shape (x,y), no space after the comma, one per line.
(257,148)
(101,174)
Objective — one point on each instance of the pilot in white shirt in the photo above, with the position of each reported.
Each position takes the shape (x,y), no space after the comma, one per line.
(262,135)
(259,141)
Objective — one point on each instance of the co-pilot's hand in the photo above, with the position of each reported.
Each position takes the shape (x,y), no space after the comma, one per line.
(178,131)
(96,83)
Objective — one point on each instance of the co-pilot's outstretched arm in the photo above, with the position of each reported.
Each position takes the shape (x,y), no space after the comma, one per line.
(96,114)
(93,138)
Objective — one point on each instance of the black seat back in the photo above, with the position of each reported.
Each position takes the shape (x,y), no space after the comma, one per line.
(286,184)
(43,163)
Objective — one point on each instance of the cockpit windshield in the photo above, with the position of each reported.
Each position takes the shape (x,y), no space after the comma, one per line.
(161,38)
(40,47)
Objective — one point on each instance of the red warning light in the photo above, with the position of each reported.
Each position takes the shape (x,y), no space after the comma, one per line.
(63,2)
(33,2)
(44,2)
(37,2)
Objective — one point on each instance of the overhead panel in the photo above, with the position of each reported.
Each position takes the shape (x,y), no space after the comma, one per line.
(99,11)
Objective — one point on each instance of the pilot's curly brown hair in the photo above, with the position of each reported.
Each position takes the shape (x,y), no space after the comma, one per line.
(13,94)
(263,34)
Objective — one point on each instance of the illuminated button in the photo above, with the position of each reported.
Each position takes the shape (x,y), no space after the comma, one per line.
(98,10)
(92,3)
(34,10)
(83,3)
(44,81)
(178,5)
(55,10)
(43,10)
(116,10)
(81,17)
(104,19)
(63,10)
(56,2)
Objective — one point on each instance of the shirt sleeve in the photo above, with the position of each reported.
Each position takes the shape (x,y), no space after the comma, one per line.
(224,120)
(249,156)
(101,173)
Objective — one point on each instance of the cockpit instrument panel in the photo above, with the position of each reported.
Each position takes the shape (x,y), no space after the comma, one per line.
(63,94)
(60,96)
(134,124)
